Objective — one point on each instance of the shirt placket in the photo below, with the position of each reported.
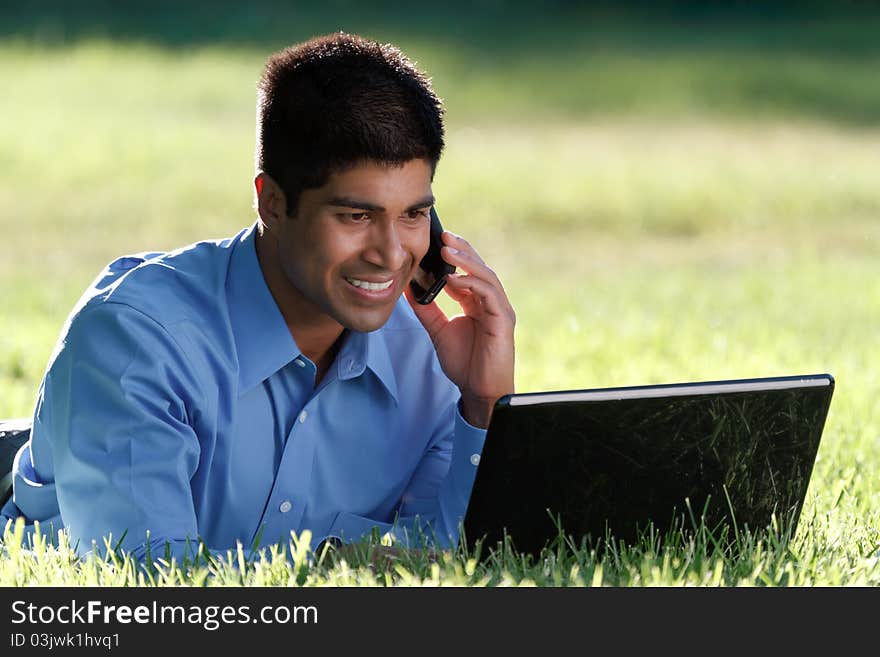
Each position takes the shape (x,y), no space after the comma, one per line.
(287,503)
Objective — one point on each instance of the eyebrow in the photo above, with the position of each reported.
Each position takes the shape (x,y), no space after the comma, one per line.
(349,202)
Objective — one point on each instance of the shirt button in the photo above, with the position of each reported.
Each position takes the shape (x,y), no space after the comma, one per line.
(475,459)
(299,362)
(285,506)
(303,416)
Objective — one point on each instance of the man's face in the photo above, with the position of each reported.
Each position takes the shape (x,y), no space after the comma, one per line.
(355,242)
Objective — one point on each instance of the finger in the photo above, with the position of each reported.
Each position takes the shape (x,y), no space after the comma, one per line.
(471,264)
(494,303)
(431,315)
(470,303)
(458,294)
(461,244)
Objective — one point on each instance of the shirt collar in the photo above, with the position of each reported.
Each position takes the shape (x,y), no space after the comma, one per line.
(367,350)
(263,342)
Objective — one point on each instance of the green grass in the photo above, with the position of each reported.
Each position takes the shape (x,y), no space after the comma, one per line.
(679,208)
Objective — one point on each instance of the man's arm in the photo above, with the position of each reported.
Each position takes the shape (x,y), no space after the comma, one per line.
(115,422)
(476,353)
(436,499)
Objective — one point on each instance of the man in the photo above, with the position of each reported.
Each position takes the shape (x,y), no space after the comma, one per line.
(275,381)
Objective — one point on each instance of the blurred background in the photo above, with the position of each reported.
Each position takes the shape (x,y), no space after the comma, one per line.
(670,191)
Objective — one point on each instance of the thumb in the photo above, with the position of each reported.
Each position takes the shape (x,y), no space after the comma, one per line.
(431,316)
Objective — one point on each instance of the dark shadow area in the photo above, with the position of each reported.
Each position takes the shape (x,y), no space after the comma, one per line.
(835,45)
(490,25)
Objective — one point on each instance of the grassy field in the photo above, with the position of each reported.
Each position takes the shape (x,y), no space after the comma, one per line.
(661,205)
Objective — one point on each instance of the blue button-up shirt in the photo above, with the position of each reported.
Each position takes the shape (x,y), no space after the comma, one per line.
(177,402)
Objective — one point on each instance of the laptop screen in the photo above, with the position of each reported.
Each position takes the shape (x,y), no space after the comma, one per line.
(618,459)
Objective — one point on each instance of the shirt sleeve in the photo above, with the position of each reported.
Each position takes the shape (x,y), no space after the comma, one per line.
(436,499)
(115,415)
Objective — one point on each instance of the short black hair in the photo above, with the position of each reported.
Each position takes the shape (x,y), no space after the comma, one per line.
(338,100)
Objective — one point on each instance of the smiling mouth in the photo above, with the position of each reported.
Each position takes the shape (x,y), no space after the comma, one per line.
(367,285)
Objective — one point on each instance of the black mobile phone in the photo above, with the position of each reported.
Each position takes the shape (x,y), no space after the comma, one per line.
(430,276)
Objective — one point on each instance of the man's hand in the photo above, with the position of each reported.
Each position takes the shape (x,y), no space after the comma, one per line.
(475,349)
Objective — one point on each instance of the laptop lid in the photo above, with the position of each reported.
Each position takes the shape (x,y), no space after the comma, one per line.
(617,459)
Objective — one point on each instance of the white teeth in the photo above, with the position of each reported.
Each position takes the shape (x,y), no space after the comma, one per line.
(370,286)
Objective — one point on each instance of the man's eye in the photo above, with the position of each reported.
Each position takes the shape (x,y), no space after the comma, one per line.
(357,216)
(417,214)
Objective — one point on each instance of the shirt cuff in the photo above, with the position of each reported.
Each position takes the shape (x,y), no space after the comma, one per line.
(467,446)
(34,499)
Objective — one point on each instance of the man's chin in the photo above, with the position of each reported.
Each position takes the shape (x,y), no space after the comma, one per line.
(366,321)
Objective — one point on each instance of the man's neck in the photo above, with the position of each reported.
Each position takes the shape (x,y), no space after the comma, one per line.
(323,364)
(318,336)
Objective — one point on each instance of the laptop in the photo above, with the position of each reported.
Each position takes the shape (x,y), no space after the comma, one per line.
(13,434)
(620,463)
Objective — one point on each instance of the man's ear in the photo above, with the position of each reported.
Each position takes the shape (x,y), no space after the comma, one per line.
(271,204)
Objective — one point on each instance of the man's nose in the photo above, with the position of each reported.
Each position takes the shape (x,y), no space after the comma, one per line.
(387,248)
